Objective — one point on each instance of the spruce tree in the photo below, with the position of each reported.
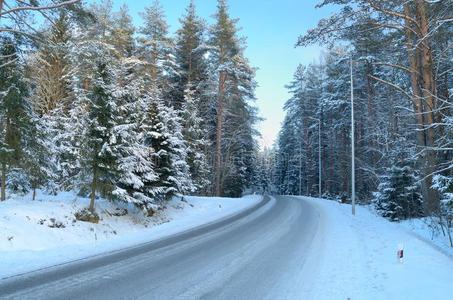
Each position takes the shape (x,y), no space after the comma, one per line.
(194,135)
(158,51)
(100,141)
(135,164)
(398,196)
(163,134)
(190,55)
(15,118)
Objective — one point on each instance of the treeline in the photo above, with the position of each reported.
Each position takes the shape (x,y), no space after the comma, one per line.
(93,104)
(402,64)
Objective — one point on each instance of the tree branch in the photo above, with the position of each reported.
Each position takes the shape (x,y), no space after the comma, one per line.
(35,8)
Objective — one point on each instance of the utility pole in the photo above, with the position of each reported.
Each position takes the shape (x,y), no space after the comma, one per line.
(352,143)
(319,156)
(300,167)
(319,159)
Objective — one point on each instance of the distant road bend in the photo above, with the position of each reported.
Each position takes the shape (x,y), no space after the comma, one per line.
(253,255)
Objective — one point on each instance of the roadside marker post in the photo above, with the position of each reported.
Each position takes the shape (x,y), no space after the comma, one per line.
(400,253)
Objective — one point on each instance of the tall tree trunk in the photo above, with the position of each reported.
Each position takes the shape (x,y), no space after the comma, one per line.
(421,82)
(219,132)
(93,190)
(429,92)
(371,120)
(3,192)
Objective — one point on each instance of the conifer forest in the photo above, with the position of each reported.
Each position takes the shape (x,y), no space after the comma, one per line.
(91,103)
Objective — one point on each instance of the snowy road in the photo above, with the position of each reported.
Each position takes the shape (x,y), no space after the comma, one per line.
(250,258)
(289,248)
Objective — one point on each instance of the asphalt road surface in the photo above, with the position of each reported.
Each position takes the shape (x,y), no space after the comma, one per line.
(257,254)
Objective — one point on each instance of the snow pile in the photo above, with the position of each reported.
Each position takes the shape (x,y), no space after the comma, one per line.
(355,258)
(36,234)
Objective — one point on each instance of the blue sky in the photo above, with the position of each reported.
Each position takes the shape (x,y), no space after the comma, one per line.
(271,28)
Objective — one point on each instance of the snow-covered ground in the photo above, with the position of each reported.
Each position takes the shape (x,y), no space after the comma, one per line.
(29,239)
(430,231)
(355,258)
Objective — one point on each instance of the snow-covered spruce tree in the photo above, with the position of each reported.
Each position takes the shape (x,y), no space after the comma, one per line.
(99,153)
(38,162)
(194,136)
(158,51)
(135,158)
(50,72)
(16,126)
(162,132)
(398,197)
(444,185)
(89,42)
(190,56)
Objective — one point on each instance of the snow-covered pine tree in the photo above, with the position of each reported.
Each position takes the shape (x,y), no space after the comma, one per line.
(230,90)
(239,130)
(122,35)
(50,68)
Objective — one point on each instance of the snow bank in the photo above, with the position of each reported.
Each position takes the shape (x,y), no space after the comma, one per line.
(30,238)
(355,258)
(430,231)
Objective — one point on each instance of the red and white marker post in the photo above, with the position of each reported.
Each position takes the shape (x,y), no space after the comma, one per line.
(400,253)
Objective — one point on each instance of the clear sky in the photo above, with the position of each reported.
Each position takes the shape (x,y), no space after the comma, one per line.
(271,28)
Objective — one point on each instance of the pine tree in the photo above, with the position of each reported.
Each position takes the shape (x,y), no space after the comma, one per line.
(50,69)
(122,36)
(232,85)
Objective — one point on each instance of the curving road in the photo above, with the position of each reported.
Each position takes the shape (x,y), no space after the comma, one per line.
(254,255)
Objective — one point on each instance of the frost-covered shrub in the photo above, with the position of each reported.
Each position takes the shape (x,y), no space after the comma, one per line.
(51,188)
(18,182)
(398,196)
